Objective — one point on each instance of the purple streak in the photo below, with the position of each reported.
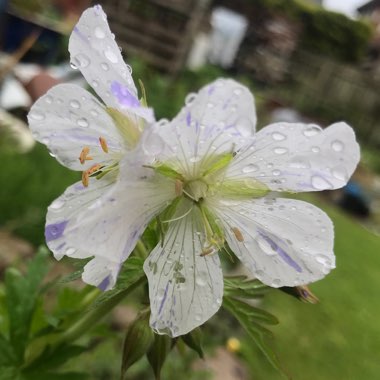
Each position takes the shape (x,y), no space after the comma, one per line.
(123,95)
(188,119)
(276,248)
(55,231)
(104,284)
(163,299)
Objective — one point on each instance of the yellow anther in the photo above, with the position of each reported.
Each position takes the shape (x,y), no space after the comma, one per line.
(84,155)
(207,251)
(239,236)
(103,144)
(85,176)
(178,187)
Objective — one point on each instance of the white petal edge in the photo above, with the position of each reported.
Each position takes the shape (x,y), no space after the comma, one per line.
(185,289)
(68,118)
(299,157)
(283,242)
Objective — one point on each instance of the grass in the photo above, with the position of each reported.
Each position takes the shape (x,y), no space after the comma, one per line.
(339,337)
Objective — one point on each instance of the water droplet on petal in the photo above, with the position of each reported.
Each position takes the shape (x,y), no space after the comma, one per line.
(237,91)
(161,294)
(99,32)
(250,168)
(49,99)
(94,83)
(70,251)
(276,283)
(81,60)
(73,66)
(323,259)
(320,183)
(45,140)
(153,144)
(201,279)
(277,136)
(37,115)
(312,130)
(276,172)
(110,55)
(198,317)
(57,204)
(74,104)
(94,112)
(190,99)
(265,246)
(299,163)
(82,122)
(337,146)
(280,150)
(340,173)
(104,66)
(315,149)
(129,68)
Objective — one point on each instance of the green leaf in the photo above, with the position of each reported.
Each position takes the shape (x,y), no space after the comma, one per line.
(138,340)
(7,357)
(55,376)
(240,286)
(194,341)
(158,353)
(9,373)
(22,292)
(249,320)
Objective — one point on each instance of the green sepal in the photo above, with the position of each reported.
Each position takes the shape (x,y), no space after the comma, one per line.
(126,126)
(243,188)
(166,171)
(218,163)
(194,341)
(143,100)
(242,287)
(138,340)
(158,353)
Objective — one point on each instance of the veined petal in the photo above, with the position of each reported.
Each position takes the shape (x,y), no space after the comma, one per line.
(109,227)
(67,119)
(214,121)
(283,242)
(96,54)
(65,209)
(185,289)
(299,157)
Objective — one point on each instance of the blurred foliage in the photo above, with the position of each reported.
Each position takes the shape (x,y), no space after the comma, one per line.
(324,32)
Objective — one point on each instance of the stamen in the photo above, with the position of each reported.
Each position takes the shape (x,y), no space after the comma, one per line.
(85,176)
(178,187)
(103,144)
(84,155)
(239,236)
(180,217)
(94,169)
(207,251)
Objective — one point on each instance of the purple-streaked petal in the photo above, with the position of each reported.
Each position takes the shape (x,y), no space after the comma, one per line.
(96,54)
(67,119)
(101,272)
(283,242)
(216,120)
(299,157)
(185,289)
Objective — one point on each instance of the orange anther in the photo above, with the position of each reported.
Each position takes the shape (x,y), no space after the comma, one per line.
(207,251)
(94,169)
(84,155)
(239,236)
(103,144)
(85,176)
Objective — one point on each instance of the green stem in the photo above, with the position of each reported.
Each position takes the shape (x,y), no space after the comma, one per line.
(140,250)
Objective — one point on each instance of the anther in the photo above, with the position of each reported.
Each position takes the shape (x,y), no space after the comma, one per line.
(84,155)
(94,169)
(239,236)
(85,176)
(207,251)
(103,144)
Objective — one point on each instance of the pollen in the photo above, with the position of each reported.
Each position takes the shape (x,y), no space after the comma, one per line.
(83,157)
(86,174)
(103,144)
(238,235)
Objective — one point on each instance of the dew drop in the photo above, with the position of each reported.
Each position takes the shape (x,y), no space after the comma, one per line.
(277,136)
(94,112)
(337,146)
(198,317)
(104,66)
(99,32)
(37,115)
(73,66)
(323,259)
(81,61)
(320,183)
(153,144)
(94,83)
(110,55)
(315,149)
(265,246)
(276,172)
(276,283)
(201,279)
(70,251)
(312,130)
(49,99)
(82,122)
(280,150)
(161,294)
(57,204)
(74,104)
(237,91)
(190,99)
(45,140)
(299,163)
(250,168)
(129,68)
(340,173)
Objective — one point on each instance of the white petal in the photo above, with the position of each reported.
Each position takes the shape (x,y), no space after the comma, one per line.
(299,157)
(64,210)
(283,242)
(185,289)
(108,228)
(221,116)
(69,118)
(96,54)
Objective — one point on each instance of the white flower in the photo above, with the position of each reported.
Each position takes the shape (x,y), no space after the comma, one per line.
(211,181)
(85,134)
